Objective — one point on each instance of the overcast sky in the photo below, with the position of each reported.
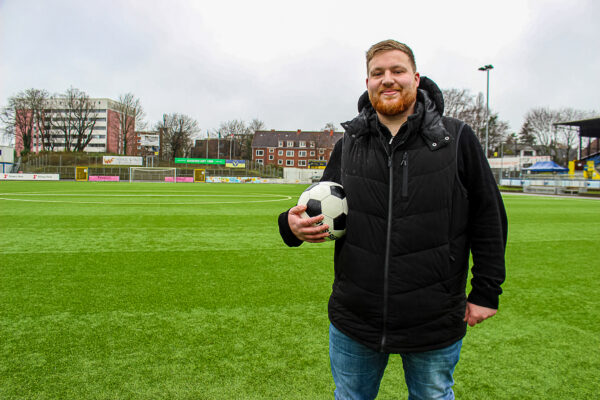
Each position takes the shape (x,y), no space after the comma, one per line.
(297,65)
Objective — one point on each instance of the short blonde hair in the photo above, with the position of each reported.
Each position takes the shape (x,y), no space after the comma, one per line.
(388,45)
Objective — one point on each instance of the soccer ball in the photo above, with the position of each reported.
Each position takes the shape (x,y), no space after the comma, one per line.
(329,199)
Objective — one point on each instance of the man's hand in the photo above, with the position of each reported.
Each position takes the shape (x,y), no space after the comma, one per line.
(303,228)
(475,314)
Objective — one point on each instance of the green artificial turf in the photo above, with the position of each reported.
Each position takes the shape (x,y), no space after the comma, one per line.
(186,291)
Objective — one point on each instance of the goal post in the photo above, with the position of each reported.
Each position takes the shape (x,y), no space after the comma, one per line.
(152,174)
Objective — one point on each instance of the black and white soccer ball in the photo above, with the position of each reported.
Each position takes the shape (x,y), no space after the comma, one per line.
(329,199)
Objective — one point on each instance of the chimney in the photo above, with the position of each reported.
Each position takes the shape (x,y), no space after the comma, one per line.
(331,132)
(299,131)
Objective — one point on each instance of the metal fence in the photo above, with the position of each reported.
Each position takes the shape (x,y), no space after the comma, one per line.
(65,167)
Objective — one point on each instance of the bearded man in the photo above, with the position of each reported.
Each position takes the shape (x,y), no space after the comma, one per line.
(421,199)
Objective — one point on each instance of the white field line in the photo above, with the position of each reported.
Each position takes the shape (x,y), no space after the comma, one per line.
(552,196)
(244,196)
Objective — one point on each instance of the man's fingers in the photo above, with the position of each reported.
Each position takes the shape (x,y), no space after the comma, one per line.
(299,209)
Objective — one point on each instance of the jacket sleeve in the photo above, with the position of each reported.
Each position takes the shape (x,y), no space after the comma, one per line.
(487,224)
(331,173)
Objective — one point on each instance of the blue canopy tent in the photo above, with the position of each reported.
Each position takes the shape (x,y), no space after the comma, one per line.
(546,166)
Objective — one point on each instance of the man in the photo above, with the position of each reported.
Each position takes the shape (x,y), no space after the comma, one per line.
(421,197)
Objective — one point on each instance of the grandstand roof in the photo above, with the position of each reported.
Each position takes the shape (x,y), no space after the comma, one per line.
(587,127)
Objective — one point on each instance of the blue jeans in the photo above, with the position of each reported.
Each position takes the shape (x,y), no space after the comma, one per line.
(357,370)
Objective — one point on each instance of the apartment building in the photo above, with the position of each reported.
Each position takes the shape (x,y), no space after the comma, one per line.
(106,135)
(297,149)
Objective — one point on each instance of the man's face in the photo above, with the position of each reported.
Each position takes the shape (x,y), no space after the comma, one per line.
(392,83)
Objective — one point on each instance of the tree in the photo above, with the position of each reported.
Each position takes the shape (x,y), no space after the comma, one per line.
(525,135)
(240,135)
(461,104)
(73,115)
(457,103)
(540,126)
(177,131)
(246,143)
(130,115)
(24,116)
(330,126)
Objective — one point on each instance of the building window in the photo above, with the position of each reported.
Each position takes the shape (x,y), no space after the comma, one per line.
(290,143)
(279,162)
(312,144)
(321,157)
(259,161)
(260,153)
(289,163)
(280,152)
(302,143)
(280,144)
(312,153)
(270,157)
(271,150)
(302,163)
(289,153)
(302,153)
(321,151)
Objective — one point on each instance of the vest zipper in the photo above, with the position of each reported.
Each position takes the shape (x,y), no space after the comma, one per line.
(388,244)
(404,164)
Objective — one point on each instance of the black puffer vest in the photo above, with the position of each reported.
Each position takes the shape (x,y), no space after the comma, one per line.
(400,271)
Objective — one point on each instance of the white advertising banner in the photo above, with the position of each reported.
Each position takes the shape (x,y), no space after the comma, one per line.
(122,160)
(150,140)
(29,177)
(516,162)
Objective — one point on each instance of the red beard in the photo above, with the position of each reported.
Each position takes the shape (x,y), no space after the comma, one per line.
(393,106)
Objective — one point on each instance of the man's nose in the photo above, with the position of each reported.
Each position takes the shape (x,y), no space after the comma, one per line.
(387,78)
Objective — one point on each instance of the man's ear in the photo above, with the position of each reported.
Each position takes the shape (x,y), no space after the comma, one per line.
(417,78)
(367,82)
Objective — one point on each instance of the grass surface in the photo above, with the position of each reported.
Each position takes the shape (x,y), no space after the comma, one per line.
(153,291)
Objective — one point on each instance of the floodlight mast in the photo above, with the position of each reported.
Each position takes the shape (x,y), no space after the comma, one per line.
(487,68)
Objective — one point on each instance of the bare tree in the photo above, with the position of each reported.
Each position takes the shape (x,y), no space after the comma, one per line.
(457,103)
(330,126)
(240,135)
(570,134)
(24,116)
(461,104)
(177,132)
(73,116)
(540,125)
(130,115)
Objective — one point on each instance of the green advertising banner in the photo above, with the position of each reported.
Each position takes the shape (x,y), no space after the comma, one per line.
(212,161)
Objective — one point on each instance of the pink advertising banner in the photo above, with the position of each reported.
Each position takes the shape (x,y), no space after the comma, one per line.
(103,178)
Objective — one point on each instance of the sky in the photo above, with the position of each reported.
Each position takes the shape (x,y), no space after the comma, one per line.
(297,65)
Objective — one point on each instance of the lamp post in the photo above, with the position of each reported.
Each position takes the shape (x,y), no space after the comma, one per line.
(487,68)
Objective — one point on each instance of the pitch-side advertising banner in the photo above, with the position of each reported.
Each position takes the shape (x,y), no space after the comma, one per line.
(235,179)
(213,161)
(122,160)
(235,164)
(150,140)
(29,177)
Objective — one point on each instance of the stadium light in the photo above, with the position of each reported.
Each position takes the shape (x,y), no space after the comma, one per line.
(487,68)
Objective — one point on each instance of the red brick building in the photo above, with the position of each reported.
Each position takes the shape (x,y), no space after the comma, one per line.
(293,149)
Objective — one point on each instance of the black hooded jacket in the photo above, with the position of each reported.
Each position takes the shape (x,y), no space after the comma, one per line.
(419,203)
